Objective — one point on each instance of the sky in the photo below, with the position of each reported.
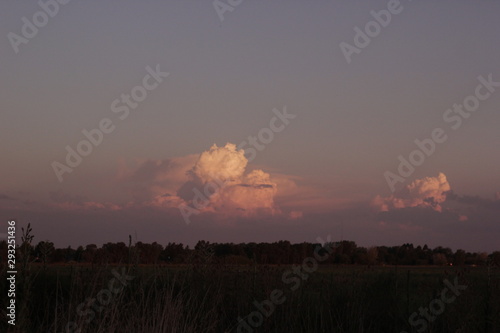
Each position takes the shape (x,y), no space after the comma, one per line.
(251,121)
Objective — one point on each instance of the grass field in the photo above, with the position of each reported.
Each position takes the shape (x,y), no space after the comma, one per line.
(218,298)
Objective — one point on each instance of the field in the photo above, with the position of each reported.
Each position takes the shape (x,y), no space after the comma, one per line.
(255,298)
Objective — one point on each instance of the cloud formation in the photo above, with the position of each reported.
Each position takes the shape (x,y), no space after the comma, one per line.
(219,184)
(155,180)
(425,192)
(216,181)
(220,163)
(253,191)
(430,200)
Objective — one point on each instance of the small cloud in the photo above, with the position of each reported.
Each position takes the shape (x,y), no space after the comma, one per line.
(425,192)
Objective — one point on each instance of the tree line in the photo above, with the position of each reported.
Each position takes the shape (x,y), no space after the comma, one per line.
(277,253)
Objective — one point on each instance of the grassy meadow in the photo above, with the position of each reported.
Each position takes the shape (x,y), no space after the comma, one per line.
(213,297)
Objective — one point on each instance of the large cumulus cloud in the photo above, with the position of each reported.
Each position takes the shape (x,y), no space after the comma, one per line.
(216,181)
(220,183)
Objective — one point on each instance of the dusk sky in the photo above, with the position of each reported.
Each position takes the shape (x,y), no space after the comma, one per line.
(330,111)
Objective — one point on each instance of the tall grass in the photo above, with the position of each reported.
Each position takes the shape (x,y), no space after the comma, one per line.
(209,298)
(206,296)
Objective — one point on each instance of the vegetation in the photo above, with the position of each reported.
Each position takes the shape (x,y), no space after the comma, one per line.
(211,287)
(278,253)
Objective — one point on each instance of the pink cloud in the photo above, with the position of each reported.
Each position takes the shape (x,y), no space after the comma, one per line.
(425,192)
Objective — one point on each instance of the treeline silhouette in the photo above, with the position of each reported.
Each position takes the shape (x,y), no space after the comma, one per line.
(277,253)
